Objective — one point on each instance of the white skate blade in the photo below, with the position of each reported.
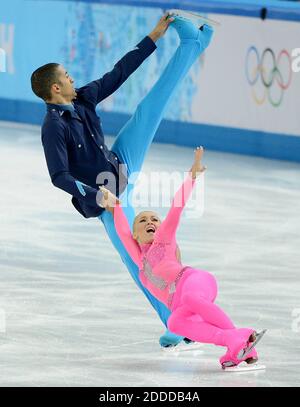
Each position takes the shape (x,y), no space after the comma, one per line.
(197,18)
(246,352)
(244,367)
(183,347)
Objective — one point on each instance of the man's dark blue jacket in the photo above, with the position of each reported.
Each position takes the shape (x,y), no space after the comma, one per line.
(73,141)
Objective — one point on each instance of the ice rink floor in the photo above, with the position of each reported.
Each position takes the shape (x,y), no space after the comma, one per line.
(70,315)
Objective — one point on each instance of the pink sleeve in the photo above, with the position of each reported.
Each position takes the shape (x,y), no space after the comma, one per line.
(124,232)
(169,226)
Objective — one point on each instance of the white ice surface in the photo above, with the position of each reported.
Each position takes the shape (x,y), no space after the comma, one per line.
(70,315)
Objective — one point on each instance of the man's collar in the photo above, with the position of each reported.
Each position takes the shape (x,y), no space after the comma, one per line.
(61,109)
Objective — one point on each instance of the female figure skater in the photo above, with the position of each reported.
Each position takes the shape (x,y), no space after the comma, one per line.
(135,138)
(186,291)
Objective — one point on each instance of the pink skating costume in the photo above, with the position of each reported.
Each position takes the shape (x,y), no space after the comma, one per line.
(159,268)
(186,291)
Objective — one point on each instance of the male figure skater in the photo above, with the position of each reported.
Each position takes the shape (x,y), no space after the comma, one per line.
(73,141)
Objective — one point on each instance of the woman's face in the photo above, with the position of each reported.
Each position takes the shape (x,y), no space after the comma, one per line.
(145,226)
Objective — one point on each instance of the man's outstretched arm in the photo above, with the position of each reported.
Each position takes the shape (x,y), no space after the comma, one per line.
(95,91)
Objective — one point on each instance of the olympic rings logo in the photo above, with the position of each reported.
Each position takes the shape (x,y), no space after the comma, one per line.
(267,72)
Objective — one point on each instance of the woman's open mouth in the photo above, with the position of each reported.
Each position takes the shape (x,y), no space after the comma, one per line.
(150,229)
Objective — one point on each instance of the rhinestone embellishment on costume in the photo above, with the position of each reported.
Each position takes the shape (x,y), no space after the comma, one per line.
(155,280)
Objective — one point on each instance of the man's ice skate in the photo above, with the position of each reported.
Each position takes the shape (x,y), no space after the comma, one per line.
(185,345)
(198,19)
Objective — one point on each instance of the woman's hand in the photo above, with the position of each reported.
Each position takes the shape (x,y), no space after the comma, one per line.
(109,200)
(197,167)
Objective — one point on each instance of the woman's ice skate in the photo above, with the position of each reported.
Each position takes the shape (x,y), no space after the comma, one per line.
(246,359)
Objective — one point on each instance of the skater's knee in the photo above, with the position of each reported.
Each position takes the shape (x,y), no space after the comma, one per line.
(214,288)
(211,287)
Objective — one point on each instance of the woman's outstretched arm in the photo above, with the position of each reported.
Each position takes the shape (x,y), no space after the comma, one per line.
(169,226)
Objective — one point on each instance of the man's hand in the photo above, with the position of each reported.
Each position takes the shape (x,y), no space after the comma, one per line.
(161,27)
(197,167)
(109,200)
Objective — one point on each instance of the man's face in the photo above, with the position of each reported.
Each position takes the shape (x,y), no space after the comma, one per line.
(65,84)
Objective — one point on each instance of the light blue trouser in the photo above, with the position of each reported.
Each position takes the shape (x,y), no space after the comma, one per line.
(134,140)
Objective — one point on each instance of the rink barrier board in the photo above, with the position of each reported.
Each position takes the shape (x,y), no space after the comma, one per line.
(276,10)
(222,138)
(219,138)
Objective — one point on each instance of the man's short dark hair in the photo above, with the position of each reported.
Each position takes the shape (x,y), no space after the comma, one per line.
(43,78)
